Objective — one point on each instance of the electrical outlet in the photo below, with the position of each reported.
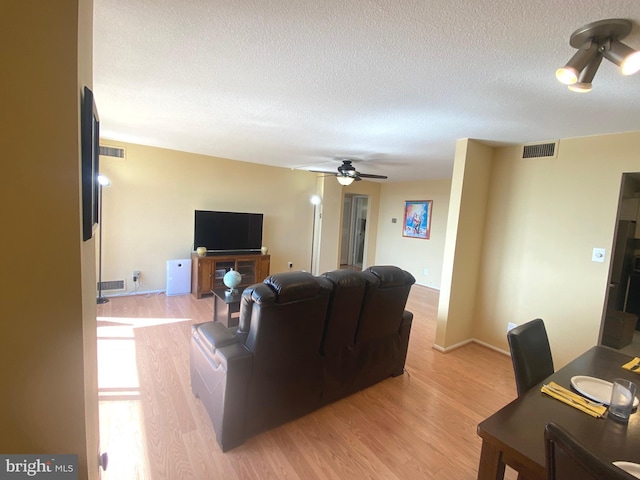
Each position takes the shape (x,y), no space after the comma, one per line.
(136,276)
(598,255)
(290,264)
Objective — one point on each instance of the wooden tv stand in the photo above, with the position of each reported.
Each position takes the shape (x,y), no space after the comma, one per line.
(207,272)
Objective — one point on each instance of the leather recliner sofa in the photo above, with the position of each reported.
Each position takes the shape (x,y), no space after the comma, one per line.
(302,342)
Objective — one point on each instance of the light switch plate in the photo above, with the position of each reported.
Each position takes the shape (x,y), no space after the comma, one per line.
(598,255)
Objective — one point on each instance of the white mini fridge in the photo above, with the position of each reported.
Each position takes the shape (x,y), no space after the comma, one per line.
(178,277)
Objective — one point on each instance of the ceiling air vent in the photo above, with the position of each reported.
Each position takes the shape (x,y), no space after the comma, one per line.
(114,152)
(540,150)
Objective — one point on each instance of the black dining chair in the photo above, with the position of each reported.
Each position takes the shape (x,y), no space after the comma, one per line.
(530,354)
(568,459)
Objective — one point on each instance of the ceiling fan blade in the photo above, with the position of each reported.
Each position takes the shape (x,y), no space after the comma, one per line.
(368,175)
(323,171)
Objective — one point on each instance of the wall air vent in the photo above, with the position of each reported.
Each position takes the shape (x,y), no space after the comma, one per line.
(111,285)
(114,152)
(540,150)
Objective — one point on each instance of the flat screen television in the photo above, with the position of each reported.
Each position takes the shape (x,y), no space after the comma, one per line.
(228,232)
(90,140)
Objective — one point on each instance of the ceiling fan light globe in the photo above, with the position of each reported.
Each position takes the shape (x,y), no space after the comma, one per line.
(345,180)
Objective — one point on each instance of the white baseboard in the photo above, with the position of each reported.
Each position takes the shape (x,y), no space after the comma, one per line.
(428,286)
(496,349)
(467,342)
(137,293)
(452,347)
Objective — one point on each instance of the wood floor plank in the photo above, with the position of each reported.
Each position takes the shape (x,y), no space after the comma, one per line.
(121,420)
(420,425)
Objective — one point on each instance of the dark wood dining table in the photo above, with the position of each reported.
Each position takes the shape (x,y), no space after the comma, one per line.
(514,435)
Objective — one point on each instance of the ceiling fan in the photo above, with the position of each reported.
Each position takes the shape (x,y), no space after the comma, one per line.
(347,173)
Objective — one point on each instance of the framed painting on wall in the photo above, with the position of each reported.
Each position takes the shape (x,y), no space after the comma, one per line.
(417,219)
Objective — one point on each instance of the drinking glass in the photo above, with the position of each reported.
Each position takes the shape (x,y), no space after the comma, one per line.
(623,394)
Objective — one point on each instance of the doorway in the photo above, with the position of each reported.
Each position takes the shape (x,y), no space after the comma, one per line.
(622,305)
(354,231)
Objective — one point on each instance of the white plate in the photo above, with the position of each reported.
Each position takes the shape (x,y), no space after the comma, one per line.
(596,389)
(632,468)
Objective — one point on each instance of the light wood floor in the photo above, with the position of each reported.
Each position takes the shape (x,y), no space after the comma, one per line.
(421,425)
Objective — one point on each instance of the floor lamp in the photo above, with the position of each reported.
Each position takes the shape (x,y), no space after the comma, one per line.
(315,201)
(103,182)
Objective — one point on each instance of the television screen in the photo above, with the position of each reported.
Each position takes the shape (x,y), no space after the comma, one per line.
(90,139)
(227,231)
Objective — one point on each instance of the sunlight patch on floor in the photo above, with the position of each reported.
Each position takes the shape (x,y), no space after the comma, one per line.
(117,367)
(121,417)
(137,322)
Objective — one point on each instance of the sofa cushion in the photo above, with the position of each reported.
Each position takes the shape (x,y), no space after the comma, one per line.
(344,309)
(384,302)
(293,286)
(391,276)
(284,333)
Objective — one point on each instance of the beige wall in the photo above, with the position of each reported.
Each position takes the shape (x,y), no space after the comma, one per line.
(148,209)
(49,401)
(414,255)
(463,244)
(543,218)
(329,218)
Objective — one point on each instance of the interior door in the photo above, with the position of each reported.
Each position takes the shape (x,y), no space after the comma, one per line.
(359,229)
(354,230)
(346,230)
(621,258)
(617,301)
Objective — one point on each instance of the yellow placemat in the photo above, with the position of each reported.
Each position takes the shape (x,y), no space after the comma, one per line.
(573,399)
(633,365)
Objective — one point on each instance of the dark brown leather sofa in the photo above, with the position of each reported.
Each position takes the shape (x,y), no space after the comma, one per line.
(302,342)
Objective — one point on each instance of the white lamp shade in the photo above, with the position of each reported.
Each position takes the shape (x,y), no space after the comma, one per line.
(103,180)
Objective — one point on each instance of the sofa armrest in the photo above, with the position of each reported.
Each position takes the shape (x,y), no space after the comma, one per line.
(214,335)
(407,318)
(220,379)
(404,332)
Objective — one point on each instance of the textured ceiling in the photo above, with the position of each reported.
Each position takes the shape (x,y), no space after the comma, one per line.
(393,83)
